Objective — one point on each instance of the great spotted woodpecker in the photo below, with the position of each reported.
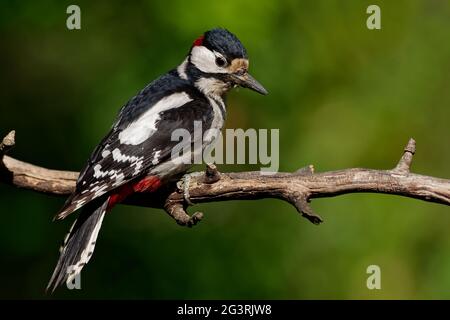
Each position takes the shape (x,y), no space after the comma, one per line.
(135,156)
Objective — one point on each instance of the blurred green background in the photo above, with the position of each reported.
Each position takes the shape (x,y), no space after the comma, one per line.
(342,95)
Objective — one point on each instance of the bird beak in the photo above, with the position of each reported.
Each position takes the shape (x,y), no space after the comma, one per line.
(247,81)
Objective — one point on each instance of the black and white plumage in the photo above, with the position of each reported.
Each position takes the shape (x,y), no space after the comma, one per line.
(136,155)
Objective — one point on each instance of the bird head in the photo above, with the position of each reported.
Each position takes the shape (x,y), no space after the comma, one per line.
(218,62)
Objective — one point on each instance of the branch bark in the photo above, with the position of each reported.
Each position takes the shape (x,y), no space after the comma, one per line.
(297,188)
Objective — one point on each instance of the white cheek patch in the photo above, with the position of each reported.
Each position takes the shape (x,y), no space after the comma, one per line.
(205,60)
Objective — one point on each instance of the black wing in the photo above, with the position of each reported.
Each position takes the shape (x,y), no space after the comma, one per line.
(116,160)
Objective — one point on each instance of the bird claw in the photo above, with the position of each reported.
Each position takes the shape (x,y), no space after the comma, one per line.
(184,183)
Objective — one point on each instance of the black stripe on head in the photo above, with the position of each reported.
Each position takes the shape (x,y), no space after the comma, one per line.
(224,42)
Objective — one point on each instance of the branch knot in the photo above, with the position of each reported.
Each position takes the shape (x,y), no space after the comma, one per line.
(404,165)
(8,142)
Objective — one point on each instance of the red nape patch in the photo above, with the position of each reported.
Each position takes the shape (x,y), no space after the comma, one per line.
(146,184)
(198,41)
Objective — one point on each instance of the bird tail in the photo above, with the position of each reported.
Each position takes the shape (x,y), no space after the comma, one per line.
(79,243)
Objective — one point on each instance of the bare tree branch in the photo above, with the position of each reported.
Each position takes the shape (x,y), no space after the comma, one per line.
(297,188)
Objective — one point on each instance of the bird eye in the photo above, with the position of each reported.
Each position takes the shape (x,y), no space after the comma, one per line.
(220,62)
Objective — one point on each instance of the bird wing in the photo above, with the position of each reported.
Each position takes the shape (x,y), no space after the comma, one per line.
(137,144)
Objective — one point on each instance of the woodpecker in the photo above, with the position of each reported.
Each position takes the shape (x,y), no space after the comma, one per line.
(136,154)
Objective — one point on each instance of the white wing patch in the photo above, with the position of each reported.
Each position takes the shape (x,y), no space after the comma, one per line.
(138,167)
(155,160)
(118,156)
(182,69)
(134,161)
(80,203)
(106,153)
(142,128)
(98,173)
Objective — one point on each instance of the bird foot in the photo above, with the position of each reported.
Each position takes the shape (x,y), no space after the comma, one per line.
(183,185)
(211,175)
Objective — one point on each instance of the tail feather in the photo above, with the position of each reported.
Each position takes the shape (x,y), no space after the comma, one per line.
(79,244)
